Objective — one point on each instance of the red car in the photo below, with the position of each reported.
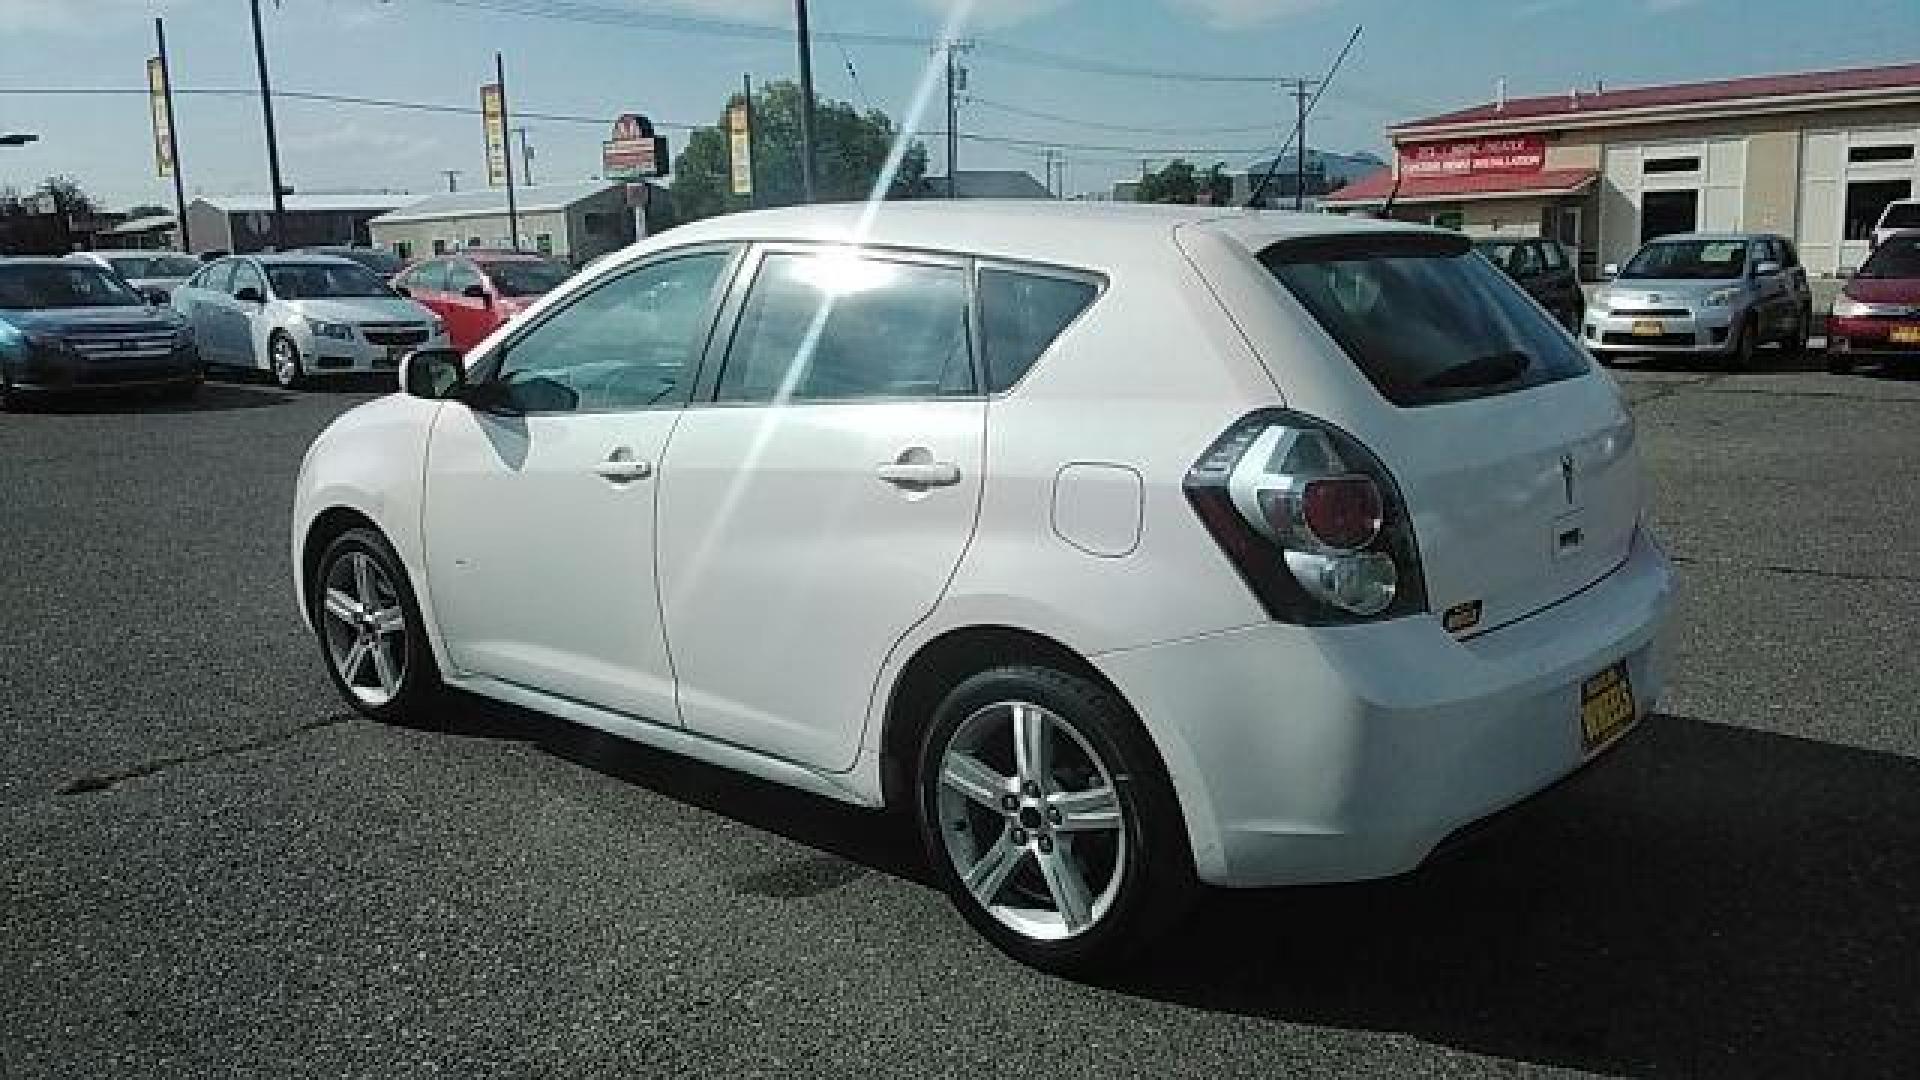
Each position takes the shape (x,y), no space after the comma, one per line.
(1877,314)
(475,292)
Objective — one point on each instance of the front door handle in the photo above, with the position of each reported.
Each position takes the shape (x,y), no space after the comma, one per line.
(622,467)
(915,469)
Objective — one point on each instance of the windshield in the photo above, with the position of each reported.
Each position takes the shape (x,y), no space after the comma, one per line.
(526,278)
(28,288)
(1896,257)
(1901,216)
(379,260)
(154,266)
(1423,319)
(314,281)
(1712,260)
(1499,254)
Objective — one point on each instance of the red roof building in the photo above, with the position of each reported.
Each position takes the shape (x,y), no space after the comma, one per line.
(1814,156)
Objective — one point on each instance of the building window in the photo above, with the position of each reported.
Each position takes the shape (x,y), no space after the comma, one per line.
(543,243)
(1448,219)
(1656,166)
(439,246)
(1870,155)
(1866,199)
(473,241)
(403,248)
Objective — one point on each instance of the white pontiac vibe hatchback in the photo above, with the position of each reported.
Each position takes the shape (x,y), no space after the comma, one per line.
(1128,546)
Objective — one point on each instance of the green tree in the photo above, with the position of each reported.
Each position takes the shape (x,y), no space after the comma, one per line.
(1216,187)
(851,149)
(1174,183)
(67,196)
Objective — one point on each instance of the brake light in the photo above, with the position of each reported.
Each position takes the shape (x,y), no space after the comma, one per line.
(1311,519)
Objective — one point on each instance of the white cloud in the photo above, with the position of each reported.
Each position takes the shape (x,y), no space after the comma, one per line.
(357,138)
(1239,14)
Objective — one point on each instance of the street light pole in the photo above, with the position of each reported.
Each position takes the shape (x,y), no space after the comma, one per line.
(266,112)
(806,100)
(513,207)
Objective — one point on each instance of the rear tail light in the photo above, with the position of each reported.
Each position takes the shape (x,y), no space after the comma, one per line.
(1311,519)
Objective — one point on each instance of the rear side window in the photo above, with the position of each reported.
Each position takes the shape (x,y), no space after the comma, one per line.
(1423,320)
(431,277)
(1020,315)
(837,328)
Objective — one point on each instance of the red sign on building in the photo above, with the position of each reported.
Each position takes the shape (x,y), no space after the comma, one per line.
(1466,157)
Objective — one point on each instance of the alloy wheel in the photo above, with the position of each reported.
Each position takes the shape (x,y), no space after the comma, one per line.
(365,626)
(286,362)
(1031,820)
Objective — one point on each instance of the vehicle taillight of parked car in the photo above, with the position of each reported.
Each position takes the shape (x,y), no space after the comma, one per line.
(1311,519)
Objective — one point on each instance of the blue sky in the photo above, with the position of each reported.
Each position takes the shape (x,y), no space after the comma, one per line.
(1413,58)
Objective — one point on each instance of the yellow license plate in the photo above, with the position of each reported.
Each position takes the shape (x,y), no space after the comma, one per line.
(1648,328)
(1606,707)
(1904,335)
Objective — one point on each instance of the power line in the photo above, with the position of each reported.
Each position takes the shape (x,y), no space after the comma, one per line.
(1041,144)
(571,11)
(1036,114)
(336,99)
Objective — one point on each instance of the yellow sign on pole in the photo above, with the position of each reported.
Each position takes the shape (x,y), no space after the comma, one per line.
(494,114)
(740,142)
(162,117)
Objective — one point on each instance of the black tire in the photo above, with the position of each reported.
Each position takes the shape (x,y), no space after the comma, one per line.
(1148,879)
(286,377)
(1839,363)
(181,391)
(417,689)
(1740,357)
(1796,343)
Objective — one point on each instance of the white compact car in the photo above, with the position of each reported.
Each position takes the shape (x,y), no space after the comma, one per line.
(300,315)
(1127,546)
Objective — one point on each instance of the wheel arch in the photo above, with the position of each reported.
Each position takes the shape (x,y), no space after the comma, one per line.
(326,526)
(943,662)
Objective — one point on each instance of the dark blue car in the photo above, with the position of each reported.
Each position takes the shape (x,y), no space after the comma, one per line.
(70,326)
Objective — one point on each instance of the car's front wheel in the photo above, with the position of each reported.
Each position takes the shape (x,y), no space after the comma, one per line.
(284,355)
(1049,819)
(368,622)
(1740,357)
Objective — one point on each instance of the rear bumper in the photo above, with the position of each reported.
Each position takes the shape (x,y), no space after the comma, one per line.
(1870,336)
(1336,754)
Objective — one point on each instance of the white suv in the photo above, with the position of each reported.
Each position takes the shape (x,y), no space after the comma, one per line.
(1127,546)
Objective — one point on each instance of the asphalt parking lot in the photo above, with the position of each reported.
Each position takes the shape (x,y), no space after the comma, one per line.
(209,867)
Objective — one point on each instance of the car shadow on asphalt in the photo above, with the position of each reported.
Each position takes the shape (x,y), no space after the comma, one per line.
(1707,900)
(211,397)
(1712,901)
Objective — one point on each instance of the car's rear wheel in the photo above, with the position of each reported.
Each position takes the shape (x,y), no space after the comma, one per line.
(1049,819)
(368,623)
(284,357)
(1839,363)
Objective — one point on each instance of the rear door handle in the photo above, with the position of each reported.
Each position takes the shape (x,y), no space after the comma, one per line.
(918,474)
(621,467)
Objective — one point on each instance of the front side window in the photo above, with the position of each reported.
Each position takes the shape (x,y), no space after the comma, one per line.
(1713,260)
(429,276)
(836,326)
(461,276)
(1424,320)
(40,286)
(630,343)
(218,277)
(1020,316)
(318,280)
(247,276)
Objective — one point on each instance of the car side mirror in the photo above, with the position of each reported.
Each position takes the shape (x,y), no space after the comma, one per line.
(1610,271)
(1767,269)
(434,374)
(477,292)
(250,295)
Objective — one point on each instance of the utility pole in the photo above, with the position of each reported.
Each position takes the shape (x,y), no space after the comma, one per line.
(266,112)
(513,207)
(806,100)
(453,178)
(956,81)
(526,156)
(746,103)
(173,140)
(1300,145)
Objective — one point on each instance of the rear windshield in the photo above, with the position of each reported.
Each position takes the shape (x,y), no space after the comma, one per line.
(154,266)
(1422,318)
(1901,216)
(1898,256)
(526,278)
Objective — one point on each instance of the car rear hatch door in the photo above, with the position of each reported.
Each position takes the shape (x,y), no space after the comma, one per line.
(1513,451)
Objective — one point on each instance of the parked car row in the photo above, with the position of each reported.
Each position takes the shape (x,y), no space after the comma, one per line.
(1876,317)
